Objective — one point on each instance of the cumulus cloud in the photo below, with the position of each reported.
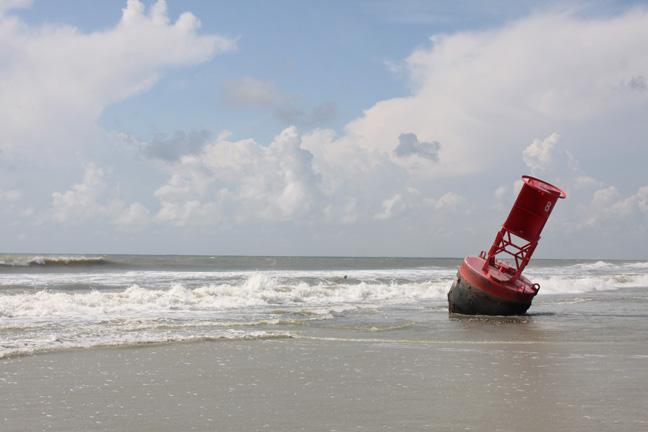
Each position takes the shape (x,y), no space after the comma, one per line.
(89,200)
(484,94)
(503,198)
(453,203)
(6,5)
(391,207)
(539,155)
(546,158)
(642,200)
(59,78)
(243,181)
(8,199)
(493,98)
(9,195)
(608,211)
(134,218)
(81,202)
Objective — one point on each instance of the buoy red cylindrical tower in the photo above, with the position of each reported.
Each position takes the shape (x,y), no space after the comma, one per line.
(486,285)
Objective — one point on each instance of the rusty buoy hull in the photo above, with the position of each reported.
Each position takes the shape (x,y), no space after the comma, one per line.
(488,292)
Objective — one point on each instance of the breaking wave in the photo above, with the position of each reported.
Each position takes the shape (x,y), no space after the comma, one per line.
(258,290)
(65,302)
(50,261)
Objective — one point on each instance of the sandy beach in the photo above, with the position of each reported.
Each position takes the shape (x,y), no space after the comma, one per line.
(330,385)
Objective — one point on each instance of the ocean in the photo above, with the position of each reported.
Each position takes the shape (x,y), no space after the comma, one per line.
(65,302)
(91,342)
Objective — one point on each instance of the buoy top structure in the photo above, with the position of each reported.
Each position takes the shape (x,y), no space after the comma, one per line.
(486,285)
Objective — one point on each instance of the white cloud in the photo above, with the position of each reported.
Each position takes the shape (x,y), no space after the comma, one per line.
(642,200)
(13,4)
(485,107)
(8,199)
(548,160)
(134,218)
(299,196)
(183,212)
(608,211)
(391,207)
(453,203)
(538,156)
(245,180)
(484,94)
(59,79)
(503,198)
(10,195)
(81,202)
(346,213)
(91,201)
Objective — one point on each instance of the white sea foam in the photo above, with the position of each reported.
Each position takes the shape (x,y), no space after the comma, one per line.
(59,306)
(257,291)
(170,293)
(112,336)
(589,277)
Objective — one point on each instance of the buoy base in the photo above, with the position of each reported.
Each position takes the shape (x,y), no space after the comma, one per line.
(479,292)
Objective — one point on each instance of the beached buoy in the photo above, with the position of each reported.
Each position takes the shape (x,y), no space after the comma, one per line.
(486,285)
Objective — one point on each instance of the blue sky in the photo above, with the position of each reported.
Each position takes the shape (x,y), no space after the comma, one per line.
(320,128)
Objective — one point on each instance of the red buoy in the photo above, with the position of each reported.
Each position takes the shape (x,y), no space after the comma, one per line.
(486,285)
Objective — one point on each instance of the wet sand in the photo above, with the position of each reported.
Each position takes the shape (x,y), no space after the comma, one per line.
(330,385)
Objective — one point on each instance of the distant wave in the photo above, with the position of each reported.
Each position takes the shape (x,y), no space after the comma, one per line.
(611,265)
(50,261)
(598,266)
(585,283)
(638,265)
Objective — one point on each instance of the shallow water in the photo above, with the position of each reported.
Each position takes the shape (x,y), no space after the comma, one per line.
(66,302)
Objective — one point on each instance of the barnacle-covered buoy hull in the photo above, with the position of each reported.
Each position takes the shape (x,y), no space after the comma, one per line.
(476,291)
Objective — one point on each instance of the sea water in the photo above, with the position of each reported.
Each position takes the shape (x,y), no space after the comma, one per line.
(166,343)
(54,302)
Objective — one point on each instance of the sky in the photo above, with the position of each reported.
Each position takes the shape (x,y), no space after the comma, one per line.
(326,128)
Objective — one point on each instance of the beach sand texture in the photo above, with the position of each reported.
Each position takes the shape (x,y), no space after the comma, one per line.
(330,385)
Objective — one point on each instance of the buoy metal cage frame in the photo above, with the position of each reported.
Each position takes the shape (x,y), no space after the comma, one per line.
(525,222)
